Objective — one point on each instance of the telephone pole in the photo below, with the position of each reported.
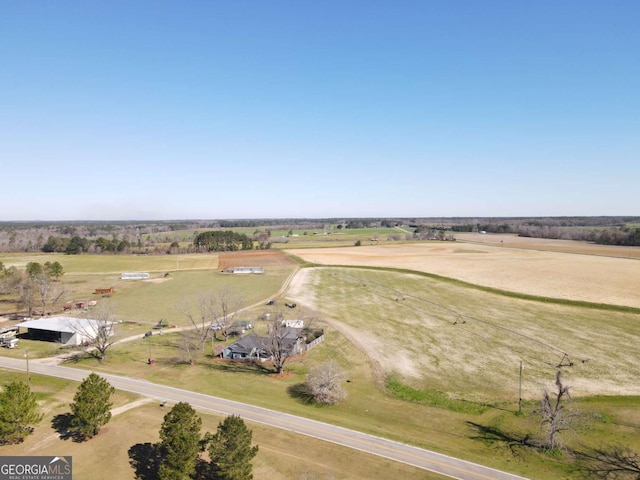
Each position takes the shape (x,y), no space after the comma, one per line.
(520,390)
(26,355)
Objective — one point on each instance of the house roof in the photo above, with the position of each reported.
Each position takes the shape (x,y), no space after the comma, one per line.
(62,324)
(248,344)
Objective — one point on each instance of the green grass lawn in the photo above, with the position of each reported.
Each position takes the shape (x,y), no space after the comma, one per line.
(107,455)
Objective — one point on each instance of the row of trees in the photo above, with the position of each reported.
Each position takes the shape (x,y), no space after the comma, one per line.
(624,236)
(605,235)
(38,284)
(76,245)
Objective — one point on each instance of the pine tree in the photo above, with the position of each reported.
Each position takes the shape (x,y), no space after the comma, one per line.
(18,412)
(91,408)
(179,443)
(230,450)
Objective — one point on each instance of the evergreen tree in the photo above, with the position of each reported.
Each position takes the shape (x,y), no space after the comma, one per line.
(230,450)
(179,443)
(54,270)
(91,408)
(18,412)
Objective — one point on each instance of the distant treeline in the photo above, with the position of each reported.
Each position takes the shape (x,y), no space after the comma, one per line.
(76,245)
(562,230)
(153,237)
(605,236)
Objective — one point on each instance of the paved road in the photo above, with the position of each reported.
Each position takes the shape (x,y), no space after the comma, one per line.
(417,457)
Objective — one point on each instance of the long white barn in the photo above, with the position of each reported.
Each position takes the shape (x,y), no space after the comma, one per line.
(64,330)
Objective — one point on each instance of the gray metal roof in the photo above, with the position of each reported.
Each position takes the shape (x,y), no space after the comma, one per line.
(61,324)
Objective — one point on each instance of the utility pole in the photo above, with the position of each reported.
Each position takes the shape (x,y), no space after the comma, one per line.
(151,362)
(520,390)
(26,355)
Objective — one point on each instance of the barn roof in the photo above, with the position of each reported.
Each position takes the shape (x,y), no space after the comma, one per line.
(61,324)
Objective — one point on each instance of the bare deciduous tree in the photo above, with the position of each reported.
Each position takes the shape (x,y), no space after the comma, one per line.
(199,320)
(324,383)
(101,334)
(282,341)
(555,415)
(227,304)
(211,314)
(189,344)
(49,291)
(279,344)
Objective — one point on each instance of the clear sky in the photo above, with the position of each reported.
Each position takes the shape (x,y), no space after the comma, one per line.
(119,110)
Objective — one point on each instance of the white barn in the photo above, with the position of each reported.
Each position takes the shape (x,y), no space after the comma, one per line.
(65,330)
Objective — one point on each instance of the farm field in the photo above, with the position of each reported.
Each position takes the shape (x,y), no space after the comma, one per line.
(457,347)
(302,238)
(468,342)
(569,276)
(174,280)
(115,264)
(552,245)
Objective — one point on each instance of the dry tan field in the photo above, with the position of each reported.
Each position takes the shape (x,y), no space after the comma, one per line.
(593,277)
(566,246)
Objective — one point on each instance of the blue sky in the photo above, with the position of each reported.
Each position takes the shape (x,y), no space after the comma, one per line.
(118,110)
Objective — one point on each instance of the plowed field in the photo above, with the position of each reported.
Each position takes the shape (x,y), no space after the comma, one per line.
(253,258)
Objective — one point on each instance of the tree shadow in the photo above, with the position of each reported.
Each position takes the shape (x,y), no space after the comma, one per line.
(203,470)
(240,367)
(62,425)
(300,392)
(495,435)
(608,462)
(145,459)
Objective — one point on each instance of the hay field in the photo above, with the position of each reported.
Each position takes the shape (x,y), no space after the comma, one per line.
(570,276)
(442,336)
(115,264)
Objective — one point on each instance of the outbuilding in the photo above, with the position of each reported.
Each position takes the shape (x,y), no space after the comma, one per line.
(65,330)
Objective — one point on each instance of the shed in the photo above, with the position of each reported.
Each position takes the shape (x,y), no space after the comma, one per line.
(64,330)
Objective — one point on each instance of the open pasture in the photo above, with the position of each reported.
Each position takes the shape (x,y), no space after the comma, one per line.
(175,281)
(590,278)
(468,342)
(115,264)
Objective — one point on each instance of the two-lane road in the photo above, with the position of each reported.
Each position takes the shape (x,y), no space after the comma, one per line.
(417,457)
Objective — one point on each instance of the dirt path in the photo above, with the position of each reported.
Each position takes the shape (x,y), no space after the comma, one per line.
(114,411)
